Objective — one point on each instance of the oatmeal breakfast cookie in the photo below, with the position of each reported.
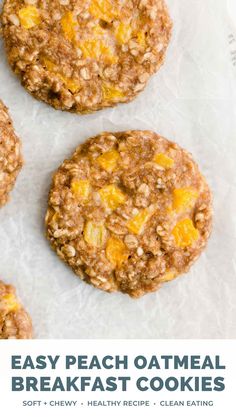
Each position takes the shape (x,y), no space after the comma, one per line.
(85,55)
(129,211)
(15,323)
(10,155)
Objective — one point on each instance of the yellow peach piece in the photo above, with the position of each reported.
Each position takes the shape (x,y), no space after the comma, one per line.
(109,160)
(97,49)
(95,234)
(71,84)
(68,25)
(136,224)
(81,188)
(29,17)
(111,93)
(185,234)
(116,251)
(184,199)
(141,38)
(123,33)
(50,66)
(103,9)
(89,48)
(112,197)
(164,161)
(169,276)
(10,302)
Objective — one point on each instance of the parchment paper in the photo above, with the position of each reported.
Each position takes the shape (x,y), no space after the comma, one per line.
(191,101)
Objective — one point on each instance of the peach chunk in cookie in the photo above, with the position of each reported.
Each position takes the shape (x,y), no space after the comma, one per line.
(15,322)
(85,55)
(129,211)
(10,155)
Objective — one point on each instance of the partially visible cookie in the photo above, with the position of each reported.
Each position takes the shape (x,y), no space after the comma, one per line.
(10,155)
(85,55)
(129,211)
(15,322)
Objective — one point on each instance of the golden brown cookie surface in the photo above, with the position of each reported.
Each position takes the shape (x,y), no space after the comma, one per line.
(84,55)
(10,155)
(15,323)
(129,211)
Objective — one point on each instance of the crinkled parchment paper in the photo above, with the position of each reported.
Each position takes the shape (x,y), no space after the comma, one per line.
(191,101)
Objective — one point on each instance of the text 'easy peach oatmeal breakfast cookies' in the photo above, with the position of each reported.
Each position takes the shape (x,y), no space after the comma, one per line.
(10,155)
(129,211)
(84,55)
(15,323)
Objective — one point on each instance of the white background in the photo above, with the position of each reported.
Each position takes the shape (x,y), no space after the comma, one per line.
(223,402)
(190,101)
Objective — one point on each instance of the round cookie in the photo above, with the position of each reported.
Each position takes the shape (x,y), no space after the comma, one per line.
(85,55)
(129,211)
(10,155)
(15,323)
